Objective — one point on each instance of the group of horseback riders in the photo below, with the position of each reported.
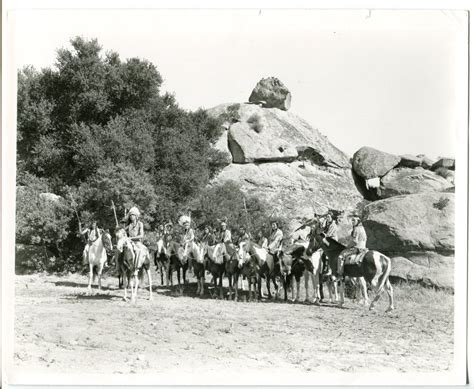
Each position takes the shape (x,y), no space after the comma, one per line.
(186,235)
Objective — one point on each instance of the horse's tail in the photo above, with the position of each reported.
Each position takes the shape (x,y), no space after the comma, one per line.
(385,274)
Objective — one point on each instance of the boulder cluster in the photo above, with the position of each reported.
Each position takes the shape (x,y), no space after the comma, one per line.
(411,214)
(279,157)
(407,201)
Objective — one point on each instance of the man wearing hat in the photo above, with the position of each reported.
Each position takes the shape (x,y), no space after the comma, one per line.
(356,246)
(276,237)
(331,228)
(225,235)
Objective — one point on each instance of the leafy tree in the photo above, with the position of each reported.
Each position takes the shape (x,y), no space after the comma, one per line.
(226,201)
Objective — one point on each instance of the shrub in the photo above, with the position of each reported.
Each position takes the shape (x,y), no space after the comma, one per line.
(255,123)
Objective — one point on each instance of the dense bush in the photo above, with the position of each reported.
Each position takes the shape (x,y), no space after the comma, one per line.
(241,210)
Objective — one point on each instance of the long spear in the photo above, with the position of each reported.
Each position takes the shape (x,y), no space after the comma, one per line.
(246,215)
(115,214)
(75,211)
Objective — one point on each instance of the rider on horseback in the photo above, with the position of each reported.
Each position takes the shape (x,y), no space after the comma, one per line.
(356,247)
(92,234)
(187,238)
(134,229)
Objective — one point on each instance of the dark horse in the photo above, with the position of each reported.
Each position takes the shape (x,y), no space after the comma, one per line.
(374,268)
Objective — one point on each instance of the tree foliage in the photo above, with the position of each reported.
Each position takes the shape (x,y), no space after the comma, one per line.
(97,129)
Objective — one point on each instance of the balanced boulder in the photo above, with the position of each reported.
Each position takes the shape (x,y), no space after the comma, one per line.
(447,163)
(271,93)
(370,163)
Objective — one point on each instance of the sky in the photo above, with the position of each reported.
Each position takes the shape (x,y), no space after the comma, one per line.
(392,80)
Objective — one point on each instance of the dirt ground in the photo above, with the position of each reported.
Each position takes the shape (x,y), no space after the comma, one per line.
(59,328)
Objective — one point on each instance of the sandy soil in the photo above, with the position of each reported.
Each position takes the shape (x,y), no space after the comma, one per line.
(59,328)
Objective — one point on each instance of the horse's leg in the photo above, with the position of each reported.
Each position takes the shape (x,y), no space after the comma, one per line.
(306,285)
(162,269)
(91,274)
(316,278)
(277,288)
(259,282)
(341,291)
(99,277)
(268,287)
(149,282)
(124,289)
(363,289)
(221,291)
(292,286)
(298,280)
(389,289)
(236,286)
(132,280)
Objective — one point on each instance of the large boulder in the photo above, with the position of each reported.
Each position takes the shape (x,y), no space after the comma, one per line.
(446,163)
(258,135)
(418,231)
(401,181)
(370,163)
(411,161)
(271,93)
(295,189)
(222,145)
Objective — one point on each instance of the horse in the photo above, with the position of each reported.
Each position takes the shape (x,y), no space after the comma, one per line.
(195,251)
(214,263)
(232,269)
(97,256)
(373,268)
(309,262)
(178,263)
(249,268)
(162,260)
(268,265)
(132,261)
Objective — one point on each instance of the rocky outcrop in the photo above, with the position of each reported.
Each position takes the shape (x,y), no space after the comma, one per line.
(401,181)
(410,161)
(271,93)
(370,163)
(259,135)
(378,175)
(294,189)
(222,146)
(446,163)
(417,231)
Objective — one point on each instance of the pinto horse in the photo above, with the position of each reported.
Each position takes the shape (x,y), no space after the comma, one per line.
(133,259)
(214,263)
(249,268)
(97,256)
(195,251)
(268,265)
(232,269)
(374,269)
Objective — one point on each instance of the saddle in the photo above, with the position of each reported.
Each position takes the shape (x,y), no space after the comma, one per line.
(353,255)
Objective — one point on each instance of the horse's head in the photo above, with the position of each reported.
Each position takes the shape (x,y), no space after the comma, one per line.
(107,241)
(243,252)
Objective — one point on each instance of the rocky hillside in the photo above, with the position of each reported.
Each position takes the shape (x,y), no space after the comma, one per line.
(276,155)
(411,216)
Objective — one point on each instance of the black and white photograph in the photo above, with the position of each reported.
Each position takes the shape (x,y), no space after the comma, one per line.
(225,196)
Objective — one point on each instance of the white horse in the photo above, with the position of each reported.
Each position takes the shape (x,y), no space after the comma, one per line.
(133,258)
(316,275)
(97,256)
